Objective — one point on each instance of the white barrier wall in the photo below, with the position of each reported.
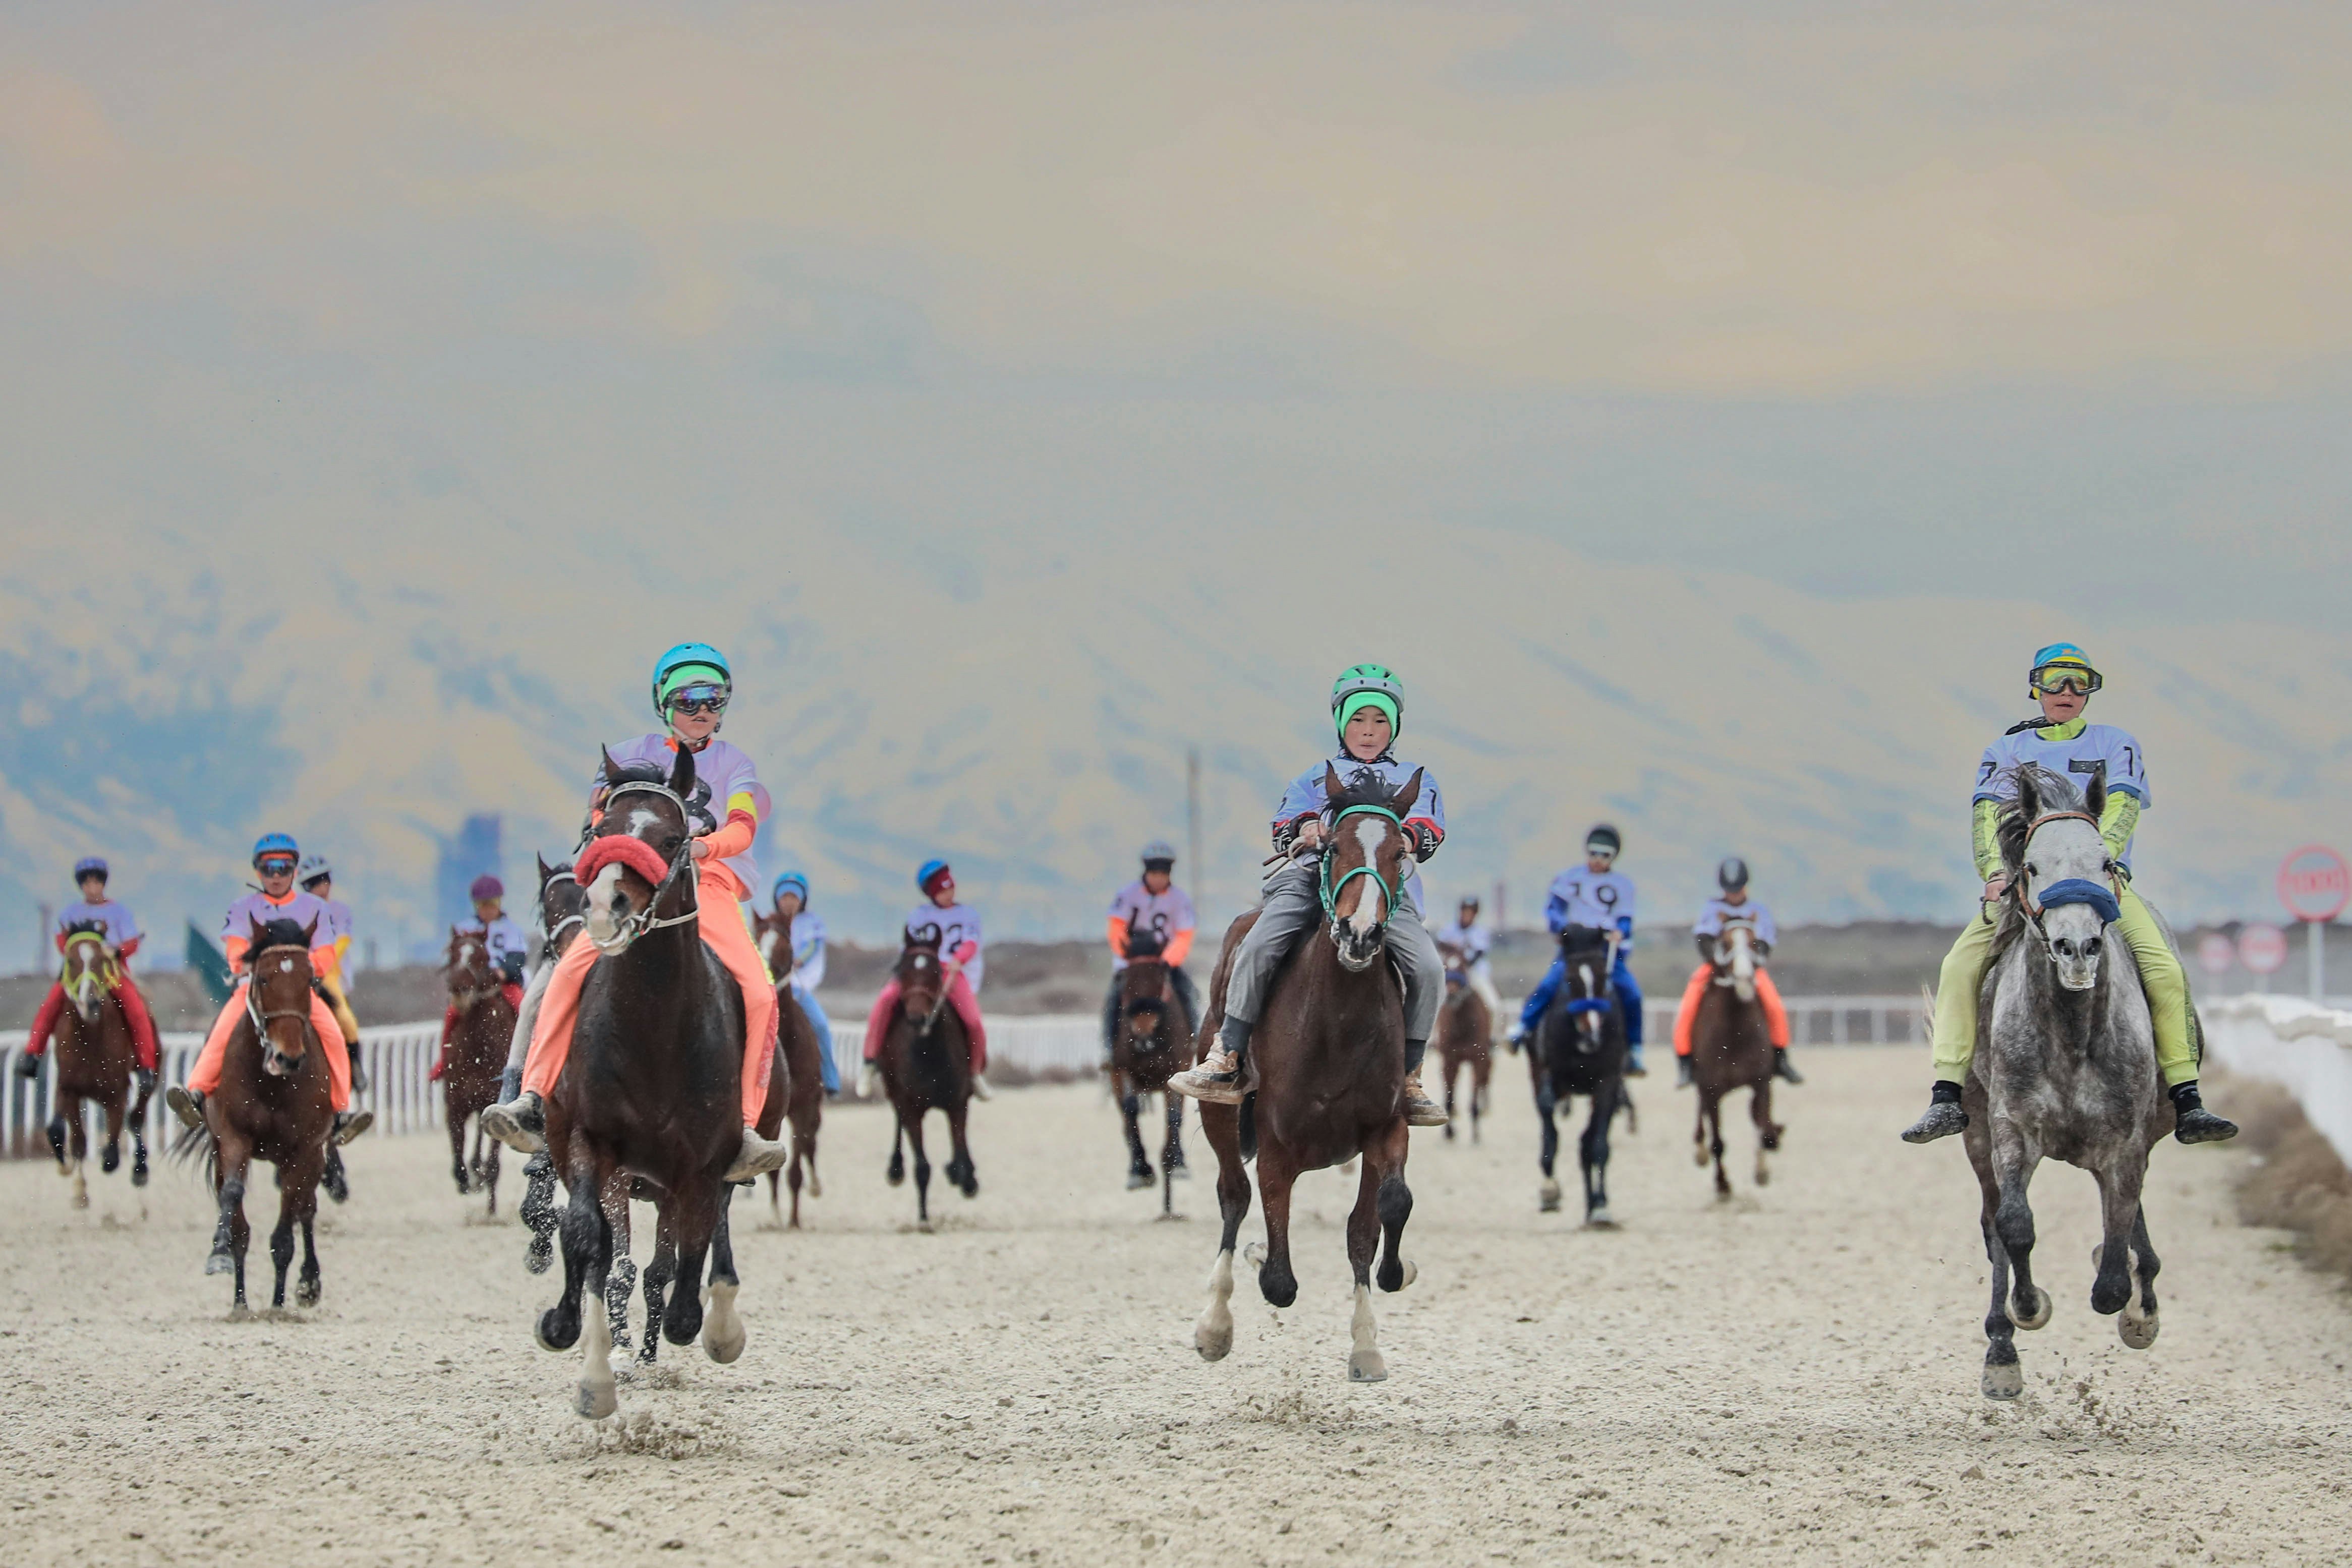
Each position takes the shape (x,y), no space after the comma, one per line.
(2300,1046)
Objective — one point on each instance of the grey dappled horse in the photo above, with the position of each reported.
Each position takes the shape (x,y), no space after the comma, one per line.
(2064,1068)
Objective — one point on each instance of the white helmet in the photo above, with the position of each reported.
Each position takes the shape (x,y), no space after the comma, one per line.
(312,869)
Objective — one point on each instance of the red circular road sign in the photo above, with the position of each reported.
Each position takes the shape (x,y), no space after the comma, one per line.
(2314,884)
(2262,949)
(2216,953)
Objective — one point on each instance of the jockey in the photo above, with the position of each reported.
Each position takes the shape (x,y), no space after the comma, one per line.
(1368,712)
(277,899)
(122,939)
(691,688)
(1597,897)
(1734,908)
(959,945)
(1152,903)
(2061,741)
(791,897)
(509,948)
(316,878)
(1473,941)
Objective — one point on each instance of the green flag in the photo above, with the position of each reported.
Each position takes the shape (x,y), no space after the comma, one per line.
(208,961)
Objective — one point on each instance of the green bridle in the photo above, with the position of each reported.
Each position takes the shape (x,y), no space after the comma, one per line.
(1331,892)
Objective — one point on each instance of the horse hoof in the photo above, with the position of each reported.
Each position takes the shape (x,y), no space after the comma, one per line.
(723,1334)
(816,1187)
(1411,1272)
(2032,1317)
(109,1161)
(306,1293)
(1136,1179)
(1366,1366)
(139,1174)
(2137,1333)
(1254,1254)
(1213,1340)
(1601,1219)
(895,1176)
(596,1400)
(538,1254)
(220,1263)
(1698,1158)
(2004,1381)
(1548,1197)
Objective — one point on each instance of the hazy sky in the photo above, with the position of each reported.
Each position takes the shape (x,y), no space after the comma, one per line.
(2020,304)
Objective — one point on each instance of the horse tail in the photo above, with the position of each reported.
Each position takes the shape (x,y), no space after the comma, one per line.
(188,1142)
(1248,1132)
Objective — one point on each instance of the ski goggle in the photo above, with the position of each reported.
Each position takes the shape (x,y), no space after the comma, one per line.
(1599,852)
(2052,679)
(697,700)
(270,866)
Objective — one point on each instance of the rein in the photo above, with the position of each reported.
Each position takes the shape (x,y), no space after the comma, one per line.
(1331,891)
(253,1008)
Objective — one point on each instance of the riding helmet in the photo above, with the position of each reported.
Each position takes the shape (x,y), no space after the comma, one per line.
(1603,834)
(793,880)
(1732,874)
(1368,686)
(685,665)
(275,845)
(1159,855)
(1469,902)
(314,868)
(89,865)
(486,886)
(932,872)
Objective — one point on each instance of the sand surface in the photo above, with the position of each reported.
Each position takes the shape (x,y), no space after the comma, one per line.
(1790,1377)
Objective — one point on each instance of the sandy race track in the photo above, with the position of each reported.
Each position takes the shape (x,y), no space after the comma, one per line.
(1791,1376)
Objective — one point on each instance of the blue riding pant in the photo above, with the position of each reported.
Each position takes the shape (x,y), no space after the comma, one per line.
(824,1027)
(1621,980)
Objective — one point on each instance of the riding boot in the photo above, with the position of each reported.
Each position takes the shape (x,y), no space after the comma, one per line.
(1218,1078)
(28,1066)
(1682,1072)
(359,1072)
(1944,1115)
(509,1084)
(1782,1068)
(980,1089)
(142,1081)
(333,1179)
(2196,1123)
(1633,1068)
(1420,1110)
(869,1081)
(758,1156)
(349,1124)
(187,1106)
(520,1123)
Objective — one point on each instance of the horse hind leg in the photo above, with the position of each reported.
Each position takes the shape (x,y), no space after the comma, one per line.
(1767,1137)
(1548,1194)
(661,1273)
(1138,1168)
(723,1334)
(1592,1155)
(537,1211)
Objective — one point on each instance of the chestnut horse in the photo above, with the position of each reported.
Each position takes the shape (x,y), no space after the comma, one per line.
(1325,1076)
(1466,1038)
(796,1037)
(1144,1053)
(275,1102)
(925,1062)
(96,1063)
(1731,1048)
(478,1056)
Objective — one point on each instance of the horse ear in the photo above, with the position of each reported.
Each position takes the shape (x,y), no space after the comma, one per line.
(2094,799)
(1408,795)
(254,922)
(2029,793)
(1332,790)
(681,774)
(545,870)
(310,932)
(606,768)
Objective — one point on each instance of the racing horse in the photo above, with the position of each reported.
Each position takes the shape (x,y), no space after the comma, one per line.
(96,1063)
(796,1037)
(1144,1052)
(275,1102)
(651,1092)
(1326,1075)
(1578,1048)
(478,1056)
(1731,1048)
(1465,1037)
(2064,1068)
(562,910)
(926,1065)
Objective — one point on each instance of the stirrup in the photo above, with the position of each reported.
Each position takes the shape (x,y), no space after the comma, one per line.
(187,1106)
(758,1156)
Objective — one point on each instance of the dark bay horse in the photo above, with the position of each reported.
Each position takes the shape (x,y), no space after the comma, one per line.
(796,1037)
(651,1092)
(1731,1048)
(478,1056)
(1578,1048)
(1325,1076)
(275,1102)
(2065,1068)
(1146,1048)
(95,1062)
(926,1065)
(1465,1041)
(562,911)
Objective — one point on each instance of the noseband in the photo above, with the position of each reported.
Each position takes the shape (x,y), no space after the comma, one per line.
(105,972)
(1331,891)
(262,1017)
(2100,900)
(638,922)
(556,931)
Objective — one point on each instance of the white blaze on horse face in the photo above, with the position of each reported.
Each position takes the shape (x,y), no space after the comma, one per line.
(604,918)
(1589,1019)
(2063,851)
(1371,902)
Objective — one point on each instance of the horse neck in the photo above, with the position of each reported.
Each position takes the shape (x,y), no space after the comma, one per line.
(1342,991)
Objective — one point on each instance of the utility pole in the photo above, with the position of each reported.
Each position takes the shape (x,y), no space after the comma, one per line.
(1193,826)
(1498,906)
(41,939)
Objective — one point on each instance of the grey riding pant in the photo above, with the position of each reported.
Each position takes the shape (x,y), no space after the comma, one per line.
(528,1014)
(1291,905)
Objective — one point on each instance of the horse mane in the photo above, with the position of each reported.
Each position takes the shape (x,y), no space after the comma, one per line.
(920,936)
(2039,793)
(86,928)
(1577,939)
(282,933)
(1144,943)
(638,773)
(1363,787)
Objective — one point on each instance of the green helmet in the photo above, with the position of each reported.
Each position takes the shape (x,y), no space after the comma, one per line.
(1368,686)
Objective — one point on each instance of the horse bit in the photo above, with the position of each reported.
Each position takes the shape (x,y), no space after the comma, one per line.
(2073,890)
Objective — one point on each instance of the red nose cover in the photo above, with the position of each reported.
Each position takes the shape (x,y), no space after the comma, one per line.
(635,853)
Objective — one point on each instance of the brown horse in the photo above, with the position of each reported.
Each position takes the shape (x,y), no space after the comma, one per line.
(926,1063)
(275,1102)
(796,1037)
(1731,1045)
(1465,1038)
(96,1064)
(1325,1076)
(478,1056)
(1144,1050)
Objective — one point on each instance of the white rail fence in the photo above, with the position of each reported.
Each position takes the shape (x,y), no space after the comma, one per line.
(2303,1047)
(398,1057)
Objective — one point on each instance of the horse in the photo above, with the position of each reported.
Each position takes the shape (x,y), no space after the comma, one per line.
(275,1102)
(1143,1055)
(1731,1048)
(651,1092)
(1578,1048)
(2065,1068)
(562,910)
(478,1056)
(926,1063)
(1326,1075)
(796,1037)
(96,1063)
(1465,1035)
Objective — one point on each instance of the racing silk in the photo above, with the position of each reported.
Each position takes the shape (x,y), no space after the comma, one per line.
(1472,940)
(2076,751)
(959,927)
(121,931)
(1602,899)
(808,951)
(1169,913)
(341,913)
(501,936)
(1721,911)
(258,908)
(1425,824)
(725,805)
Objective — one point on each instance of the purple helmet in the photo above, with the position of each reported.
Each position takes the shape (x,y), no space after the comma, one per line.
(486,886)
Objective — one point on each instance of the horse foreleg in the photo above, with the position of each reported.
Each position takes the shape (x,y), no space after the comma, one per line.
(661,1272)
(310,1287)
(1451,1069)
(537,1211)
(109,1157)
(2138,1324)
(1592,1155)
(1767,1137)
(2013,1166)
(138,1132)
(1212,1334)
(896,1172)
(1131,1111)
(922,1171)
(230,1236)
(694,1214)
(961,1170)
(1276,1171)
(1713,1111)
(582,1231)
(2119,1187)
(620,1273)
(1548,1194)
(723,1334)
(485,1161)
(2002,1378)
(456,1119)
(281,1235)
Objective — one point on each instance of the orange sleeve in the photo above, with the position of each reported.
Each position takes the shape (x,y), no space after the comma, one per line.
(326,961)
(235,947)
(1116,929)
(733,837)
(1180,946)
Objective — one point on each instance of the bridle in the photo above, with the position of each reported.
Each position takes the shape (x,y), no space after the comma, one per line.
(636,923)
(107,973)
(553,934)
(263,1018)
(1331,891)
(2100,901)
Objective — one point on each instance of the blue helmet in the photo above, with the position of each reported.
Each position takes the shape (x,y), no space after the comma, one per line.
(795,881)
(930,871)
(89,865)
(687,664)
(276,844)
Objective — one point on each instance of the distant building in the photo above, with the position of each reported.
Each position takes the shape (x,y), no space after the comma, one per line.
(471,852)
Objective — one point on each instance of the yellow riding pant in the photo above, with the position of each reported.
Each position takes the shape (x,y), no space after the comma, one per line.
(2161,976)
(345,1019)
